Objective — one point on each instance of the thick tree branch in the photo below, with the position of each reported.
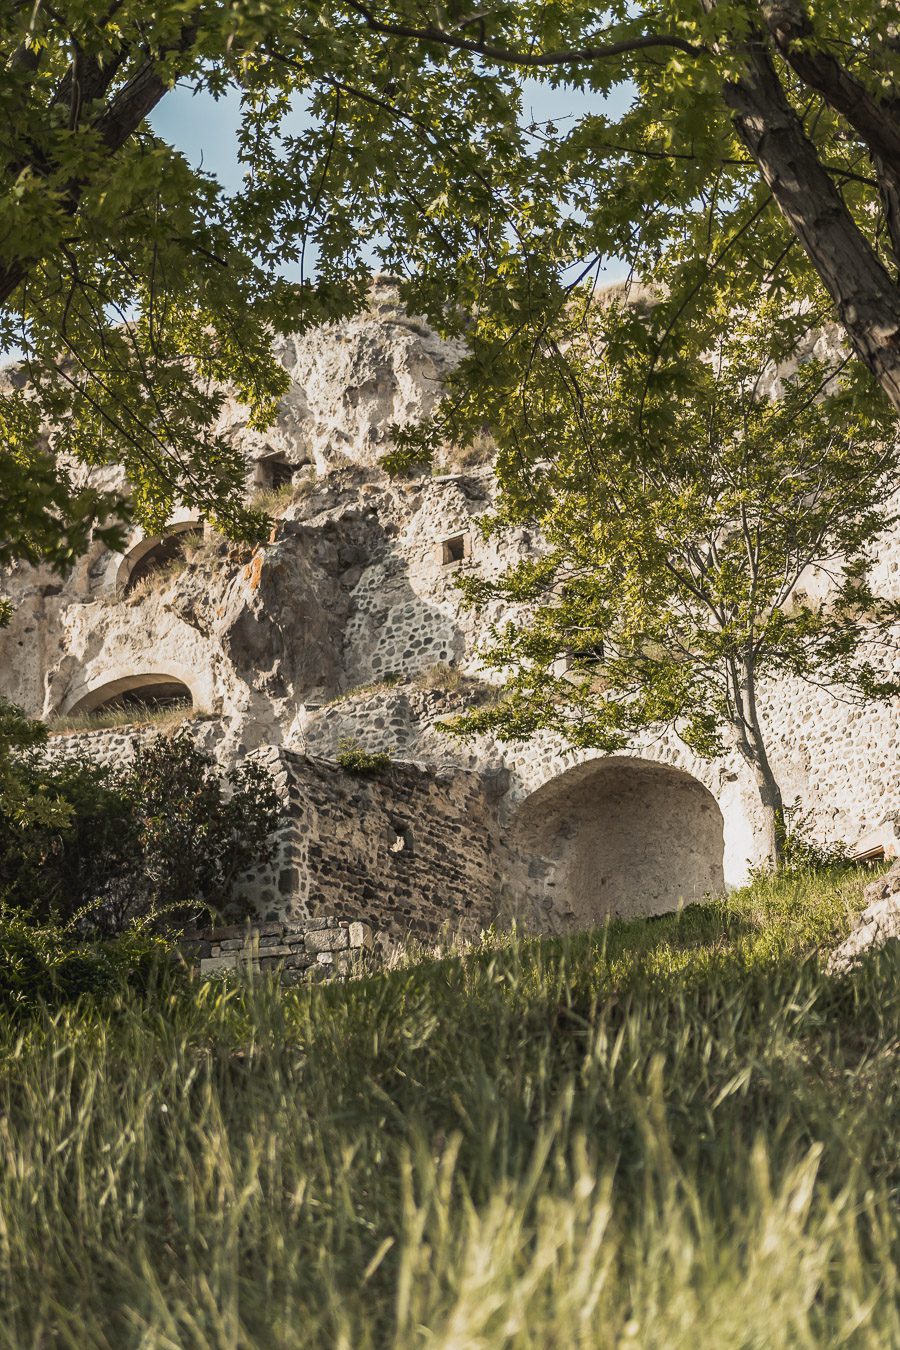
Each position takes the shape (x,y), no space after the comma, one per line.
(866,299)
(511,57)
(114,124)
(792,32)
(889,191)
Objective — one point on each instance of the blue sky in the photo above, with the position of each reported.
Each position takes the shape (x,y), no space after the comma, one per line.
(206,130)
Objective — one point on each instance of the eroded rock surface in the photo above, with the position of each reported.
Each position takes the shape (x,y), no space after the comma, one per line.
(878,924)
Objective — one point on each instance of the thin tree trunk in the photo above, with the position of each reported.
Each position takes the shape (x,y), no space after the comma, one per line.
(771,800)
(752,748)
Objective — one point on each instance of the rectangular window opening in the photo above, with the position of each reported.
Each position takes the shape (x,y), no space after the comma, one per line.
(453,550)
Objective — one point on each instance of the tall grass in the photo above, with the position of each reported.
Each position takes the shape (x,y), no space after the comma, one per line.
(677,1133)
(125,715)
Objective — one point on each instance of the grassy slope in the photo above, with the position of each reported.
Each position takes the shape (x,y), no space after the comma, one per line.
(671,1134)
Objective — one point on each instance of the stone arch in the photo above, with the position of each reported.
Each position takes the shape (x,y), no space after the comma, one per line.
(153,688)
(152,550)
(618,837)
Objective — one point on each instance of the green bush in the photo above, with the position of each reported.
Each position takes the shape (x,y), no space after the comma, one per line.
(801,851)
(166,830)
(46,964)
(355,759)
(87,849)
(198,828)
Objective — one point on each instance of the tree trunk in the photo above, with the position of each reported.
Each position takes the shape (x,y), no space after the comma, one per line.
(752,748)
(866,297)
(772,802)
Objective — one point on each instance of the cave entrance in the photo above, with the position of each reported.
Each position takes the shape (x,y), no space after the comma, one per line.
(620,838)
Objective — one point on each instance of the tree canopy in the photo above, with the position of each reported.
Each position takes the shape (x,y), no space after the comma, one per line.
(701,538)
(761,145)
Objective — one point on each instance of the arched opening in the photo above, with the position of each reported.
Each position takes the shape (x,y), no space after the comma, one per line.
(155,554)
(619,838)
(138,694)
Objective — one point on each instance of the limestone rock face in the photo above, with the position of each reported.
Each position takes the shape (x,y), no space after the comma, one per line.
(878,924)
(350,382)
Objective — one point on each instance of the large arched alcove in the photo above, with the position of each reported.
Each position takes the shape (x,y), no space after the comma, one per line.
(619,838)
(144,692)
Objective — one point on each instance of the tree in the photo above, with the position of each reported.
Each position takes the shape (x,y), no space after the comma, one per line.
(739,107)
(135,289)
(688,519)
(762,144)
(132,295)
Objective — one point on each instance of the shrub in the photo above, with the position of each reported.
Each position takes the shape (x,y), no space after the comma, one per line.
(801,852)
(45,963)
(167,832)
(355,759)
(86,849)
(441,676)
(199,829)
(24,803)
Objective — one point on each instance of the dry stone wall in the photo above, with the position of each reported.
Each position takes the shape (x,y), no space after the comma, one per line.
(298,952)
(412,851)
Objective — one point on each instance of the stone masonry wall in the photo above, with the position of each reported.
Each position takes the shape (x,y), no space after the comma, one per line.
(411,851)
(314,950)
(414,851)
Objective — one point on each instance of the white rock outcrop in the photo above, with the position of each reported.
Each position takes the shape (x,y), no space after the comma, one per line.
(878,924)
(349,623)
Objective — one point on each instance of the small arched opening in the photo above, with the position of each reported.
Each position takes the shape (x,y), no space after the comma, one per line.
(620,838)
(143,695)
(155,553)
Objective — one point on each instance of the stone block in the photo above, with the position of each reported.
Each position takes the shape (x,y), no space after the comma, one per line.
(231,945)
(327,940)
(215,965)
(231,930)
(360,935)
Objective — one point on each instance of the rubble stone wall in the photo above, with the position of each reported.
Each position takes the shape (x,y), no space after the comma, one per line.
(412,851)
(314,950)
